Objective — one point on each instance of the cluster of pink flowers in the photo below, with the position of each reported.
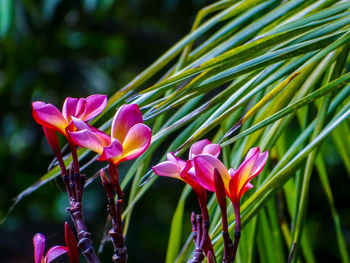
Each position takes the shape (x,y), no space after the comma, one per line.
(204,171)
(198,170)
(128,139)
(129,136)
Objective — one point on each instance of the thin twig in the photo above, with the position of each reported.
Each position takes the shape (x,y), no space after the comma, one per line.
(237,229)
(75,186)
(112,188)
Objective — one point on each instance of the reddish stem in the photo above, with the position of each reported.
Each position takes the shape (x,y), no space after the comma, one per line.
(228,245)
(112,187)
(75,184)
(237,229)
(73,149)
(202,240)
(205,225)
(194,226)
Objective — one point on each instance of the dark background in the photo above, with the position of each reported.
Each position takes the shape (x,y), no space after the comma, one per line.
(57,48)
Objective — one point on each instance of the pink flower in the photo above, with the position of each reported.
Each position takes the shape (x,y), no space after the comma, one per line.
(237,182)
(39,247)
(129,136)
(53,120)
(50,117)
(178,168)
(56,251)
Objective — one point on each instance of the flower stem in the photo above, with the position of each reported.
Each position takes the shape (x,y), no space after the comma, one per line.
(205,240)
(112,188)
(198,255)
(237,229)
(73,149)
(228,245)
(194,226)
(202,239)
(75,184)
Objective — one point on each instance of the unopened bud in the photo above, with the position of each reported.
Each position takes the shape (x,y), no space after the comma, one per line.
(104,177)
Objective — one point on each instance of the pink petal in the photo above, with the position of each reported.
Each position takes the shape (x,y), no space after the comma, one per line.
(71,244)
(251,152)
(136,142)
(245,189)
(189,170)
(250,167)
(167,168)
(126,117)
(79,124)
(188,175)
(197,148)
(49,116)
(212,149)
(245,171)
(81,109)
(260,162)
(204,166)
(95,105)
(39,247)
(257,168)
(233,191)
(55,252)
(204,146)
(69,108)
(114,150)
(87,139)
(82,125)
(172,158)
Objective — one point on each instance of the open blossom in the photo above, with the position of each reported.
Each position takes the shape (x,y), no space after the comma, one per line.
(184,170)
(85,109)
(53,120)
(56,251)
(129,136)
(236,182)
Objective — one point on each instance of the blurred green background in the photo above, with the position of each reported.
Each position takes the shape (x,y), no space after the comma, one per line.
(52,49)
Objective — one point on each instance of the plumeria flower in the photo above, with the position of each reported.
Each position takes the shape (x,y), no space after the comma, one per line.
(129,136)
(56,251)
(85,109)
(236,182)
(177,168)
(213,176)
(53,120)
(184,170)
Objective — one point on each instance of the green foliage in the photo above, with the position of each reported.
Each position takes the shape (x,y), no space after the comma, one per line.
(275,71)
